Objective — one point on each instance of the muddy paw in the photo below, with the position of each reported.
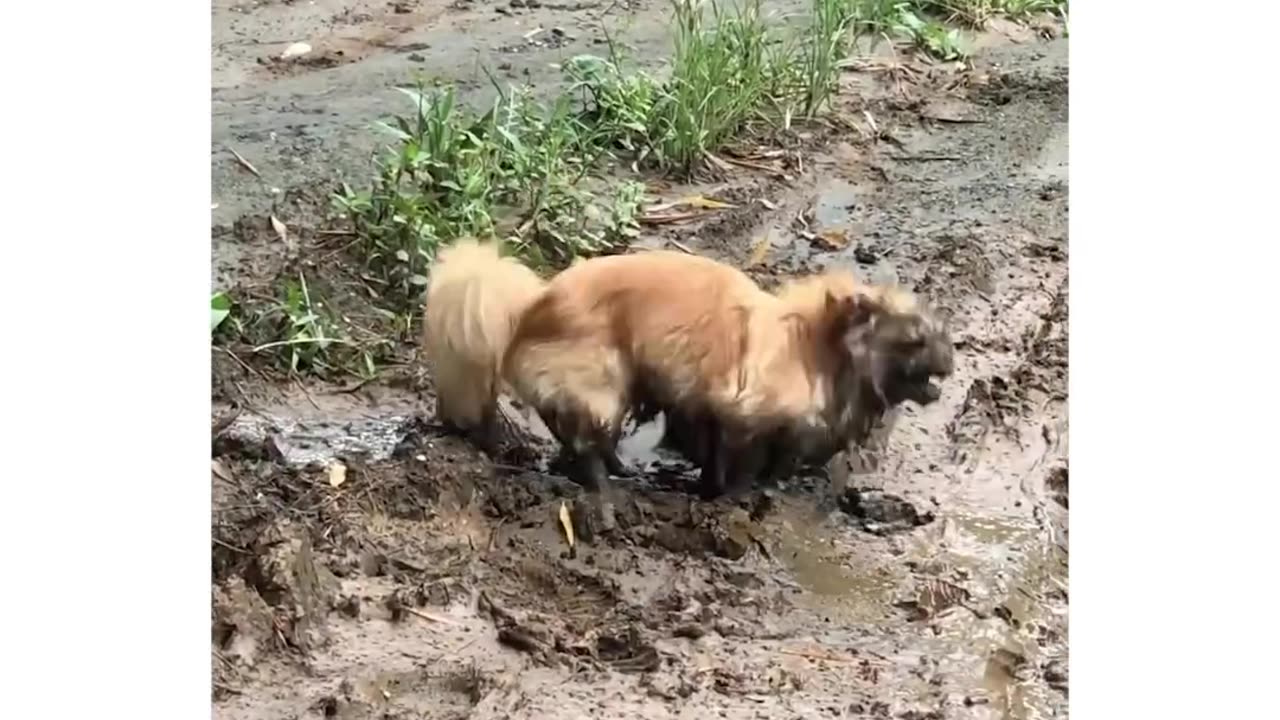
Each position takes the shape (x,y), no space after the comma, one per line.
(608,517)
(624,471)
(593,517)
(617,468)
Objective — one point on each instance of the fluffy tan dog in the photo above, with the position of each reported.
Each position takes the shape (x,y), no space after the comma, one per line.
(665,330)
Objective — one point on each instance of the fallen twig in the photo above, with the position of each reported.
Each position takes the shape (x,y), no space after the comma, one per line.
(245,163)
(927,158)
(757,166)
(431,617)
(231,547)
(682,247)
(719,164)
(811,655)
(243,364)
(298,381)
(954,120)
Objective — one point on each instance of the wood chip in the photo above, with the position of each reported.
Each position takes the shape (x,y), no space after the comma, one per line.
(281,229)
(337,474)
(295,50)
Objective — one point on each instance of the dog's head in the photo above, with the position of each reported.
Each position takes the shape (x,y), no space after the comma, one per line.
(895,344)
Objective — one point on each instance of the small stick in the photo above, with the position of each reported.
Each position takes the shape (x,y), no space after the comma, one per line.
(298,381)
(756,166)
(223,659)
(231,547)
(430,617)
(247,165)
(817,656)
(926,158)
(955,120)
(242,363)
(682,247)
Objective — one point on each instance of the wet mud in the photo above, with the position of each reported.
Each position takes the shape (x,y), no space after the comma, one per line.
(366,565)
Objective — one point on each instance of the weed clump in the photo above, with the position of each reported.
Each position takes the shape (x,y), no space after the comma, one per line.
(522,171)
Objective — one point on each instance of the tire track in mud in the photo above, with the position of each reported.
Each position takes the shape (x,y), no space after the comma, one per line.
(453,594)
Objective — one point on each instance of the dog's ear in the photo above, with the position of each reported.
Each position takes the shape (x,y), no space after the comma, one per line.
(850,313)
(854,320)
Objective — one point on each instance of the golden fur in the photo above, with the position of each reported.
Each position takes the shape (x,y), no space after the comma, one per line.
(676,330)
(474,299)
(697,333)
(889,346)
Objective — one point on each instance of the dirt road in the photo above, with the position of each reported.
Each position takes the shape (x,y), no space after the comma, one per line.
(426,583)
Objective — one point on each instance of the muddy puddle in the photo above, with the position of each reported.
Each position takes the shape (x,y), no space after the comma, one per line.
(427,582)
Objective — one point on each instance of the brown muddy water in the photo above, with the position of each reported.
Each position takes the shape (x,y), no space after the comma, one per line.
(425,582)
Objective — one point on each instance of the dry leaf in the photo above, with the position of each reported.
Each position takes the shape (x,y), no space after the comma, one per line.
(294,50)
(337,474)
(835,238)
(693,201)
(759,251)
(566,522)
(281,229)
(221,471)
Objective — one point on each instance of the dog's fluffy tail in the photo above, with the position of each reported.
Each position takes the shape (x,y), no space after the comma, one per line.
(474,299)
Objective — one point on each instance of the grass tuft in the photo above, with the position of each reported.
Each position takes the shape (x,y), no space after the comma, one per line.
(524,172)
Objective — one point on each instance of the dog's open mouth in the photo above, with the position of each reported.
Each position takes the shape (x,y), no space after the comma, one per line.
(922,393)
(919,388)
